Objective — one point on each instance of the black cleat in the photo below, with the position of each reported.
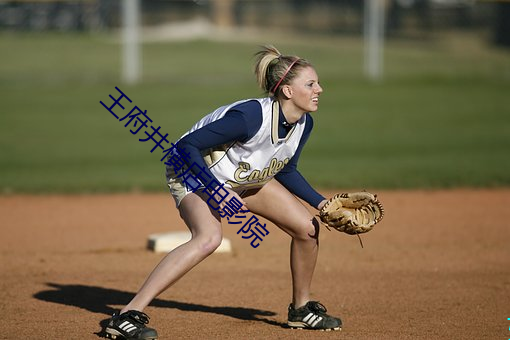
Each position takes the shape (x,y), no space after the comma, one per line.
(313,316)
(130,326)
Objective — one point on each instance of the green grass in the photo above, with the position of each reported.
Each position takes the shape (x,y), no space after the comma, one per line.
(440,118)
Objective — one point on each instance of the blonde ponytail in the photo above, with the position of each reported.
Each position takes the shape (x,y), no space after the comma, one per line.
(272,69)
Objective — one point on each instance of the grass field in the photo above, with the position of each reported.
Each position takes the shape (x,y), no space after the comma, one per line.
(440,117)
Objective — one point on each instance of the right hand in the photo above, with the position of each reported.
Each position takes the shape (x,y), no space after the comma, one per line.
(236,195)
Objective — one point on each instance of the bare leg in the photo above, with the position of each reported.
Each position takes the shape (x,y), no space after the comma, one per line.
(278,205)
(205,227)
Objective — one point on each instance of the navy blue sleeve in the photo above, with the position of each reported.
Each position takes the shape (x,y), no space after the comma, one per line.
(239,124)
(290,177)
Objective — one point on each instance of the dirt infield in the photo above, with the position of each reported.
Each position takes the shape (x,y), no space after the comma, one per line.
(437,267)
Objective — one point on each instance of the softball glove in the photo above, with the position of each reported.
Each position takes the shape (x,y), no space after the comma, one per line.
(352,213)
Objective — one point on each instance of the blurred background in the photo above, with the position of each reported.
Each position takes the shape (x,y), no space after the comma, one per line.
(415,91)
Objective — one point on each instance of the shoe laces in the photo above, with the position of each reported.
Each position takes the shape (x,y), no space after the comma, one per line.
(138,316)
(316,306)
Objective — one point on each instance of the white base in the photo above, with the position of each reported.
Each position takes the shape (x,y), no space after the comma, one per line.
(165,242)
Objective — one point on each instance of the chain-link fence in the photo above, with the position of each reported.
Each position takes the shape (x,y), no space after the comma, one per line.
(404,18)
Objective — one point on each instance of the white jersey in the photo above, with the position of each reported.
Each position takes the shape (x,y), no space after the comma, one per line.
(253,163)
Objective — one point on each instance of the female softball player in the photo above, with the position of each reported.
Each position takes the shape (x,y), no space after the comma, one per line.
(253,147)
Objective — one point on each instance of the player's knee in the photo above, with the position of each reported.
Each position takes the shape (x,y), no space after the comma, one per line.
(309,231)
(207,244)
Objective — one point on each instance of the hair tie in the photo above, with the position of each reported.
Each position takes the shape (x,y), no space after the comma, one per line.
(283,77)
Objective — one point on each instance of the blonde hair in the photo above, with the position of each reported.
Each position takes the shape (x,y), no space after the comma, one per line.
(273,69)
